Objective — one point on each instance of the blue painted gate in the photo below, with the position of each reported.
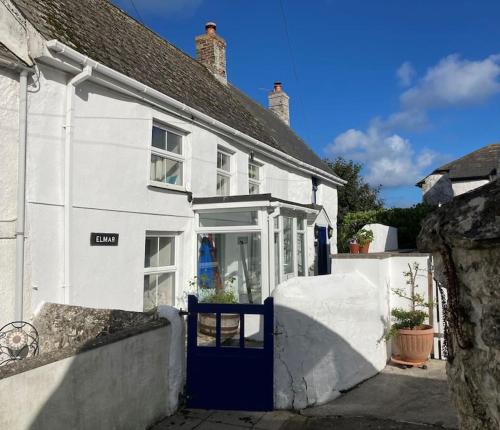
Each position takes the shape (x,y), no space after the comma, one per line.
(230,376)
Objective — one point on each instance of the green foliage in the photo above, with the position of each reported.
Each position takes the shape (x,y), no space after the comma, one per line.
(406,220)
(225,296)
(414,317)
(356,195)
(208,294)
(364,236)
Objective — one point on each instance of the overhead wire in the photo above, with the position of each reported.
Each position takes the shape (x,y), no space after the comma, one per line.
(294,68)
(137,12)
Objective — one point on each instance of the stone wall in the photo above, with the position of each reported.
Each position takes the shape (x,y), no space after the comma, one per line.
(464,237)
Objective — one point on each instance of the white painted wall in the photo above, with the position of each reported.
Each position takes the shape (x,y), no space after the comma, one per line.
(386,271)
(385,238)
(9,132)
(110,192)
(121,385)
(461,187)
(323,346)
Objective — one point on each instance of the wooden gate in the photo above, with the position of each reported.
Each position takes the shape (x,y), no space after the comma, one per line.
(230,372)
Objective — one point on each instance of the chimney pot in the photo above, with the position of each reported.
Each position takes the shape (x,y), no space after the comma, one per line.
(277,87)
(210,27)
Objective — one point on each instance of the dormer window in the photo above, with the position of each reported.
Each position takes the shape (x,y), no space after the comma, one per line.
(167,157)
(223,172)
(254,178)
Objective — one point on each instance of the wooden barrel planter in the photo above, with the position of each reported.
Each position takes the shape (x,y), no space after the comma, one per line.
(415,346)
(229,324)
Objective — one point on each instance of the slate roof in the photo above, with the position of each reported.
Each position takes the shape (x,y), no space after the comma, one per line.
(479,164)
(103,32)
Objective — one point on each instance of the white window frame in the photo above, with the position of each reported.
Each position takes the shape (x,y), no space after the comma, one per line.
(257,182)
(169,155)
(227,174)
(302,231)
(159,270)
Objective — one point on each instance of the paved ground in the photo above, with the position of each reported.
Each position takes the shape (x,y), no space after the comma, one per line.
(396,399)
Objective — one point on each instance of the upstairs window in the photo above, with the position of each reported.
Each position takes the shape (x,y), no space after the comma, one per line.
(315,183)
(223,173)
(167,157)
(254,178)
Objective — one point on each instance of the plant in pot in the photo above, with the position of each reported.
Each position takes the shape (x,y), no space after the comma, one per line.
(364,237)
(220,294)
(353,246)
(413,338)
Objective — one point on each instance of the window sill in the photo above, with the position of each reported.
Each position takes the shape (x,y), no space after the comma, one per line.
(161,185)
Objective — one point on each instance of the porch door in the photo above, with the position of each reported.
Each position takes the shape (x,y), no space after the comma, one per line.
(322,251)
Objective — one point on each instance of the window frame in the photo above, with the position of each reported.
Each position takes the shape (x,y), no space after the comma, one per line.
(224,173)
(257,182)
(163,153)
(159,270)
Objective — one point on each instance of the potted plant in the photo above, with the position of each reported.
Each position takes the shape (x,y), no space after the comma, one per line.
(364,237)
(353,246)
(207,321)
(413,338)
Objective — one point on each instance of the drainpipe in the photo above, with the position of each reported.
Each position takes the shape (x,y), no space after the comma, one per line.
(21,192)
(85,74)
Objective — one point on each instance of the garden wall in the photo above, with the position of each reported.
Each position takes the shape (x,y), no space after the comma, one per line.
(124,376)
(329,337)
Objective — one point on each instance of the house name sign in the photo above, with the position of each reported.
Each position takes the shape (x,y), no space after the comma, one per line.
(103,239)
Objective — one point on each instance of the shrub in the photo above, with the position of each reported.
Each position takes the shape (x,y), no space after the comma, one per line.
(407,220)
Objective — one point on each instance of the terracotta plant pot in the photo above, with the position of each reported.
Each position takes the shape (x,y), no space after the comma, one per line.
(415,345)
(354,248)
(363,249)
(229,324)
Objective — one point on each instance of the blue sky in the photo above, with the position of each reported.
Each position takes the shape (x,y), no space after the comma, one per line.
(398,85)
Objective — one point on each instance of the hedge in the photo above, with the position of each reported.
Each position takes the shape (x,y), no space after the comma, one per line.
(407,220)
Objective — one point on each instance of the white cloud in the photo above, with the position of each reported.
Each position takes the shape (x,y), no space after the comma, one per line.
(389,159)
(454,82)
(405,74)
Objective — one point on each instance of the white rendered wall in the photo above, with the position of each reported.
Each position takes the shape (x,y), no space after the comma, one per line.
(9,132)
(322,346)
(110,193)
(387,273)
(122,385)
(461,187)
(385,238)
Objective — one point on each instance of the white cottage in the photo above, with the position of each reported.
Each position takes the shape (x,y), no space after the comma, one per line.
(127,168)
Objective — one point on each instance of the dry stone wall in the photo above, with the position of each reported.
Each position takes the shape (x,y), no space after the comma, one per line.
(464,237)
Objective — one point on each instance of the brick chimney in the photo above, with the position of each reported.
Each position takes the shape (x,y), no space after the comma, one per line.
(211,52)
(278,103)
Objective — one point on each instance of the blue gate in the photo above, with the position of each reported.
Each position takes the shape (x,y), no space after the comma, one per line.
(231,375)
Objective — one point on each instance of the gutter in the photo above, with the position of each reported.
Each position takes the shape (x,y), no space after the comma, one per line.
(85,74)
(21,194)
(191,114)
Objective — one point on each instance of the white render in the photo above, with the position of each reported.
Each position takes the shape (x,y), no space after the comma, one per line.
(461,187)
(385,238)
(121,385)
(110,191)
(9,120)
(330,329)
(319,351)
